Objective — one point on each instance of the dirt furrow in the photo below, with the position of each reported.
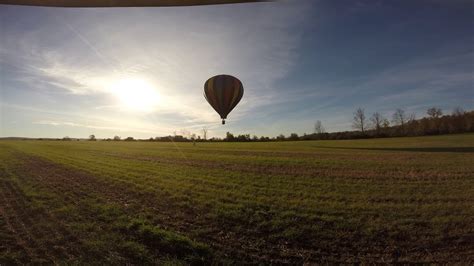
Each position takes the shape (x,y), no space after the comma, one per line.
(43,236)
(77,185)
(20,224)
(15,232)
(243,244)
(353,175)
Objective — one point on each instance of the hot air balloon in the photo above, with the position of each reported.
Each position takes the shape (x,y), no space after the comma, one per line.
(223,93)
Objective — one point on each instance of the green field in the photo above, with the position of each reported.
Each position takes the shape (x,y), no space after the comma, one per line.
(383,200)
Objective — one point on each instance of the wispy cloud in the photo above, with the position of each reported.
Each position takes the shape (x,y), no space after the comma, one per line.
(59,66)
(92,126)
(435,80)
(176,49)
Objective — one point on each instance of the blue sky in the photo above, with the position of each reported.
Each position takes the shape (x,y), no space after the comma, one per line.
(140,71)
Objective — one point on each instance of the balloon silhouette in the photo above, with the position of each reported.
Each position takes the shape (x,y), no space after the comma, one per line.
(223,93)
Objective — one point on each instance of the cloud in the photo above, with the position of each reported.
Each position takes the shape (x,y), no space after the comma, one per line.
(176,49)
(92,126)
(59,65)
(437,79)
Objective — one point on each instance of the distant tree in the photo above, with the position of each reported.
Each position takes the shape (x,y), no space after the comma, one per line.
(204,133)
(458,111)
(129,139)
(359,120)
(280,137)
(412,124)
(254,138)
(229,137)
(400,119)
(66,138)
(179,138)
(432,126)
(92,138)
(243,137)
(293,136)
(458,123)
(434,112)
(116,138)
(318,127)
(377,121)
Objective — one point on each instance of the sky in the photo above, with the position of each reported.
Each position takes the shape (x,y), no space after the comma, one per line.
(140,72)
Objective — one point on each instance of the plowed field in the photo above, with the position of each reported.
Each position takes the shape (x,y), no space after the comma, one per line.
(384,200)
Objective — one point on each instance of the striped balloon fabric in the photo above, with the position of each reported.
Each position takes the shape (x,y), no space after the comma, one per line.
(223,93)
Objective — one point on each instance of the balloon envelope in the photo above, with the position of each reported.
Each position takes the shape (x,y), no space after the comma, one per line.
(223,93)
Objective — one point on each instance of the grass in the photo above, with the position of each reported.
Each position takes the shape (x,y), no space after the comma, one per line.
(379,200)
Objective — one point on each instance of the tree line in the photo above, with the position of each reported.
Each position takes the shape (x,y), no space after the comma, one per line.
(375,125)
(401,124)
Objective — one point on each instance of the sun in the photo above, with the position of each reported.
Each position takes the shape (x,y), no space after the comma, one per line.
(136,94)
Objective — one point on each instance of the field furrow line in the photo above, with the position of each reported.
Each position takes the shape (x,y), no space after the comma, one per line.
(63,182)
(265,203)
(19,223)
(44,235)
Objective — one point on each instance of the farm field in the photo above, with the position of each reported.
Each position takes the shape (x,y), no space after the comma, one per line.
(381,200)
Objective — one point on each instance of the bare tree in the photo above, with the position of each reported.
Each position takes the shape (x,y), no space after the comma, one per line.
(359,121)
(400,119)
(318,127)
(434,112)
(92,138)
(377,121)
(459,121)
(185,133)
(204,133)
(458,111)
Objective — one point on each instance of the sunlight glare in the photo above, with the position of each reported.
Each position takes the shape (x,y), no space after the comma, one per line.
(136,94)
